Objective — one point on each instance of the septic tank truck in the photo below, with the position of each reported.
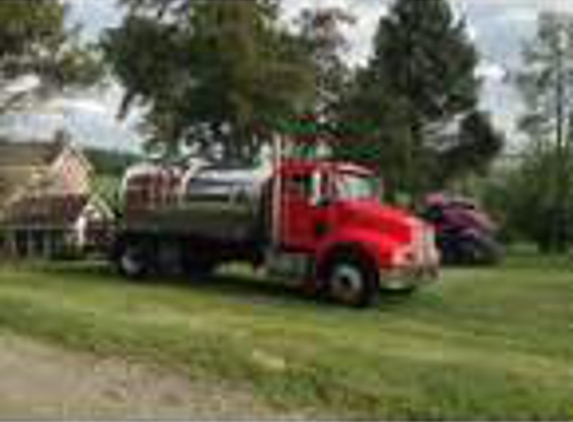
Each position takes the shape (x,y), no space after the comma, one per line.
(315,223)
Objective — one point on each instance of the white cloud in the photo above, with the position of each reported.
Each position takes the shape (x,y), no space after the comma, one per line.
(90,118)
(519,16)
(473,32)
(557,5)
(368,15)
(94,15)
(523,12)
(565,6)
(87,129)
(360,34)
(491,72)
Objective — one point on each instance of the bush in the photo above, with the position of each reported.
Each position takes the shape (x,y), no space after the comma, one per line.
(535,202)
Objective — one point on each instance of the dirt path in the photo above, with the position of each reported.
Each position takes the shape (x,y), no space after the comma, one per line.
(41,381)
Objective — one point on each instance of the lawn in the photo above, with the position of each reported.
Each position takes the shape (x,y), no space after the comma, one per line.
(482,344)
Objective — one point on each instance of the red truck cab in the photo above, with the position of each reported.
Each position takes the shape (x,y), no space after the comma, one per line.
(332,213)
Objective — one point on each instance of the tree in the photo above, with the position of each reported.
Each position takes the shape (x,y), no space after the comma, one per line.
(544,81)
(470,150)
(523,199)
(544,78)
(212,77)
(380,146)
(34,44)
(323,38)
(423,74)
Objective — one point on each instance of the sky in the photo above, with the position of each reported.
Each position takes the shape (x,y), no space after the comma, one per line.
(498,27)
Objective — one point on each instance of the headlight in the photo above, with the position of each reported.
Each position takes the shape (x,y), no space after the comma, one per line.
(430,248)
(403,256)
(429,237)
(424,244)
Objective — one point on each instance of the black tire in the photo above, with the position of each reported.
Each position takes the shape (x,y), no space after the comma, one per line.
(196,270)
(197,267)
(481,251)
(132,259)
(398,292)
(490,252)
(351,279)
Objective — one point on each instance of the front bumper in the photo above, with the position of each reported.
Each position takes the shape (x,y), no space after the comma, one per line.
(408,277)
(416,263)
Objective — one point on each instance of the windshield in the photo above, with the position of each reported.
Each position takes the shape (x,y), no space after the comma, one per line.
(353,186)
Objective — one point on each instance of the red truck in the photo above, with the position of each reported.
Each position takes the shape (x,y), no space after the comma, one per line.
(316,223)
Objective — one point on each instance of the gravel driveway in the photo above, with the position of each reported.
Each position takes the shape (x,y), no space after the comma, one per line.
(40,381)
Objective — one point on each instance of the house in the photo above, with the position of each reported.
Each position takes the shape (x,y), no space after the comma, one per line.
(46,203)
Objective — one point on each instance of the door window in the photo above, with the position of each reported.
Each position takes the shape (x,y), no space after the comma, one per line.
(357,187)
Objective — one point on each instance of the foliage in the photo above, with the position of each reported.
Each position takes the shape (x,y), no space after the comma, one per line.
(472,151)
(323,39)
(523,198)
(441,355)
(421,86)
(211,76)
(228,72)
(383,147)
(35,43)
(544,82)
(544,77)
(109,169)
(107,186)
(424,55)
(110,162)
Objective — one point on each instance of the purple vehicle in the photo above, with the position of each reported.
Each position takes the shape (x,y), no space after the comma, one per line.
(465,234)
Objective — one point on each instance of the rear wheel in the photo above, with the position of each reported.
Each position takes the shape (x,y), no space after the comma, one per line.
(195,262)
(132,260)
(351,280)
(198,270)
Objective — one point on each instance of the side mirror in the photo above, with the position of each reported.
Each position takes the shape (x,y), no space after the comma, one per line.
(318,199)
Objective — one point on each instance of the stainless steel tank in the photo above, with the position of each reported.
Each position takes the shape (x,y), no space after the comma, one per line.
(212,202)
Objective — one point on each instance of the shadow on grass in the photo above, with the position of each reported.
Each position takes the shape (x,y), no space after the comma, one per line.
(238,284)
(241,285)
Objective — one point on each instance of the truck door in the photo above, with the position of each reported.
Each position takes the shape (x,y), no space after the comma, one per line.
(299,212)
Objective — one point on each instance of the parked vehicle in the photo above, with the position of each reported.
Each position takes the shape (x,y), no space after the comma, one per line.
(315,223)
(465,234)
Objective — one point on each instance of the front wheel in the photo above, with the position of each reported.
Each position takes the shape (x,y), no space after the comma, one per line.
(352,280)
(399,290)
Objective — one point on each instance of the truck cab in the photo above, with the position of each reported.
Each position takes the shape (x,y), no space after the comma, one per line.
(331,216)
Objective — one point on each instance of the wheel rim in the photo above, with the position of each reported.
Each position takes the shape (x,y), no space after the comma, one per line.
(347,283)
(130,264)
(396,285)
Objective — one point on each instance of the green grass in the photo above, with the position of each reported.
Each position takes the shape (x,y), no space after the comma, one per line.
(482,344)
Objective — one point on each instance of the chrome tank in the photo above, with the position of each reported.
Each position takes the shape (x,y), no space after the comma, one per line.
(210,202)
